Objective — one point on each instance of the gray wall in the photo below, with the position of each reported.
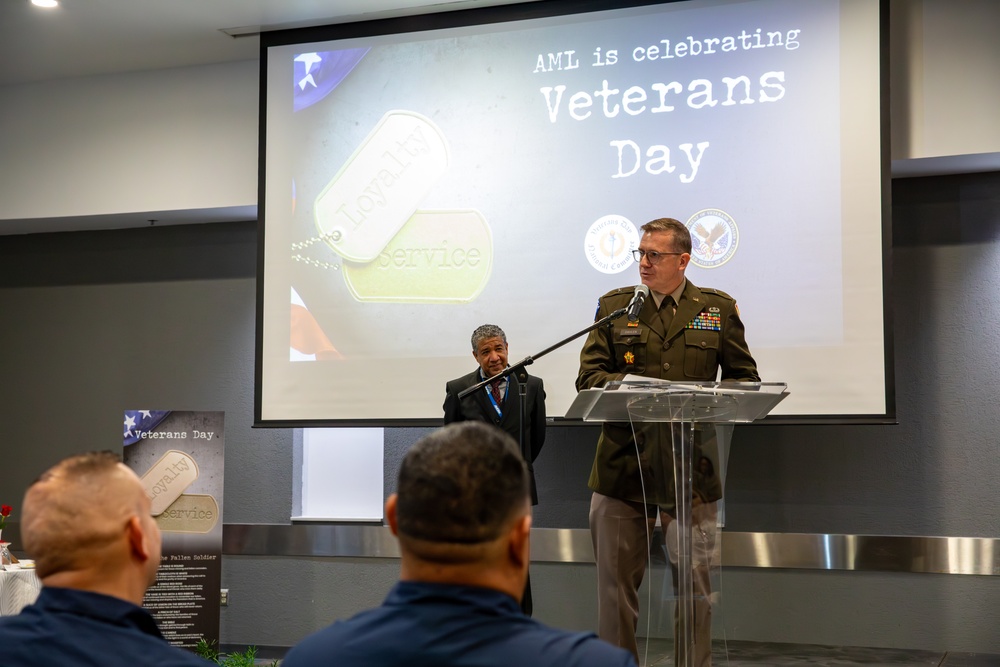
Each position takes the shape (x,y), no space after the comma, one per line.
(92,323)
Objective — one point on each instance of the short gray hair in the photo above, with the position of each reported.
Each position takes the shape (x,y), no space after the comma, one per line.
(487,331)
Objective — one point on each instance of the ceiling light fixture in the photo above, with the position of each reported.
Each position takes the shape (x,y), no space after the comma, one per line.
(48,4)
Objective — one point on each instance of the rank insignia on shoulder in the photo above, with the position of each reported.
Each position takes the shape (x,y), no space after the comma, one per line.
(629,358)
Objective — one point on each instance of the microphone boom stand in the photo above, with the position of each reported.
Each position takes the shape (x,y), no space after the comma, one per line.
(522,384)
(530,359)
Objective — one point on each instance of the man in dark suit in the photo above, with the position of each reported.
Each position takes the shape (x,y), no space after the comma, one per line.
(500,404)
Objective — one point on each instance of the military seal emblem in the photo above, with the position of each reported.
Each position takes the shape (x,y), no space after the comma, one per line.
(714,238)
(609,243)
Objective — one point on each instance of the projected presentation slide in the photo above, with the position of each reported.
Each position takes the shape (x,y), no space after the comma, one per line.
(417,185)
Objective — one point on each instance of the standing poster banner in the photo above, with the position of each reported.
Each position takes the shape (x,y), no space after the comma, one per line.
(179,457)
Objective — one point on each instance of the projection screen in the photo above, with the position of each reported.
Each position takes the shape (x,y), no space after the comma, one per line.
(423,176)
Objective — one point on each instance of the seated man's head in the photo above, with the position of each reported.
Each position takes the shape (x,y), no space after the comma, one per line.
(462,509)
(86,521)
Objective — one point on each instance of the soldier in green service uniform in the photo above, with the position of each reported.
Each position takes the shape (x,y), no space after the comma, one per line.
(683,332)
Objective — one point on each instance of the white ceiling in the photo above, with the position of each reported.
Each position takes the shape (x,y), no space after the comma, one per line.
(87,37)
(94,37)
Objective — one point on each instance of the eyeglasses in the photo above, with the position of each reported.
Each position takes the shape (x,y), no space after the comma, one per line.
(651,255)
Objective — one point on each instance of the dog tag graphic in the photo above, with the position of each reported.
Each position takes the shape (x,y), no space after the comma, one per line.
(437,257)
(166,479)
(190,513)
(380,186)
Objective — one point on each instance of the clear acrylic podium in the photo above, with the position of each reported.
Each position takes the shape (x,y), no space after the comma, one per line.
(685,430)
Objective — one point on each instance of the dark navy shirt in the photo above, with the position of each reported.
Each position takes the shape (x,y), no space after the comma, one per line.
(438,625)
(71,628)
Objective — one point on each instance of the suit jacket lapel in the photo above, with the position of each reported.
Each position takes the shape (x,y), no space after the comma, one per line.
(513,391)
(482,400)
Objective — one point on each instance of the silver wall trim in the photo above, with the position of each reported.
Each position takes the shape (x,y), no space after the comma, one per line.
(309,540)
(873,553)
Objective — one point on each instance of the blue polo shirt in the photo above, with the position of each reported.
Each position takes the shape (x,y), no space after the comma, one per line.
(72,628)
(437,625)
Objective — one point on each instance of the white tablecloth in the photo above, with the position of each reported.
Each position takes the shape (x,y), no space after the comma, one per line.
(18,589)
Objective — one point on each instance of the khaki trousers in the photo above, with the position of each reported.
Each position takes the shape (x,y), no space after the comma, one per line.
(619,530)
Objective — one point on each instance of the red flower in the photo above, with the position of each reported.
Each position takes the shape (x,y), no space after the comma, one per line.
(5,510)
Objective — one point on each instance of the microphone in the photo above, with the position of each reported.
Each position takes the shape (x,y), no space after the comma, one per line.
(641,292)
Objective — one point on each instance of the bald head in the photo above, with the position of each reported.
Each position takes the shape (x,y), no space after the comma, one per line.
(87,513)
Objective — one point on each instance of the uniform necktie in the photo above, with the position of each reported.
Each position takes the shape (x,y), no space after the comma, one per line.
(667,311)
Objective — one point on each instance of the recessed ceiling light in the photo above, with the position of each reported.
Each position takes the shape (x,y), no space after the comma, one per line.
(48,4)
